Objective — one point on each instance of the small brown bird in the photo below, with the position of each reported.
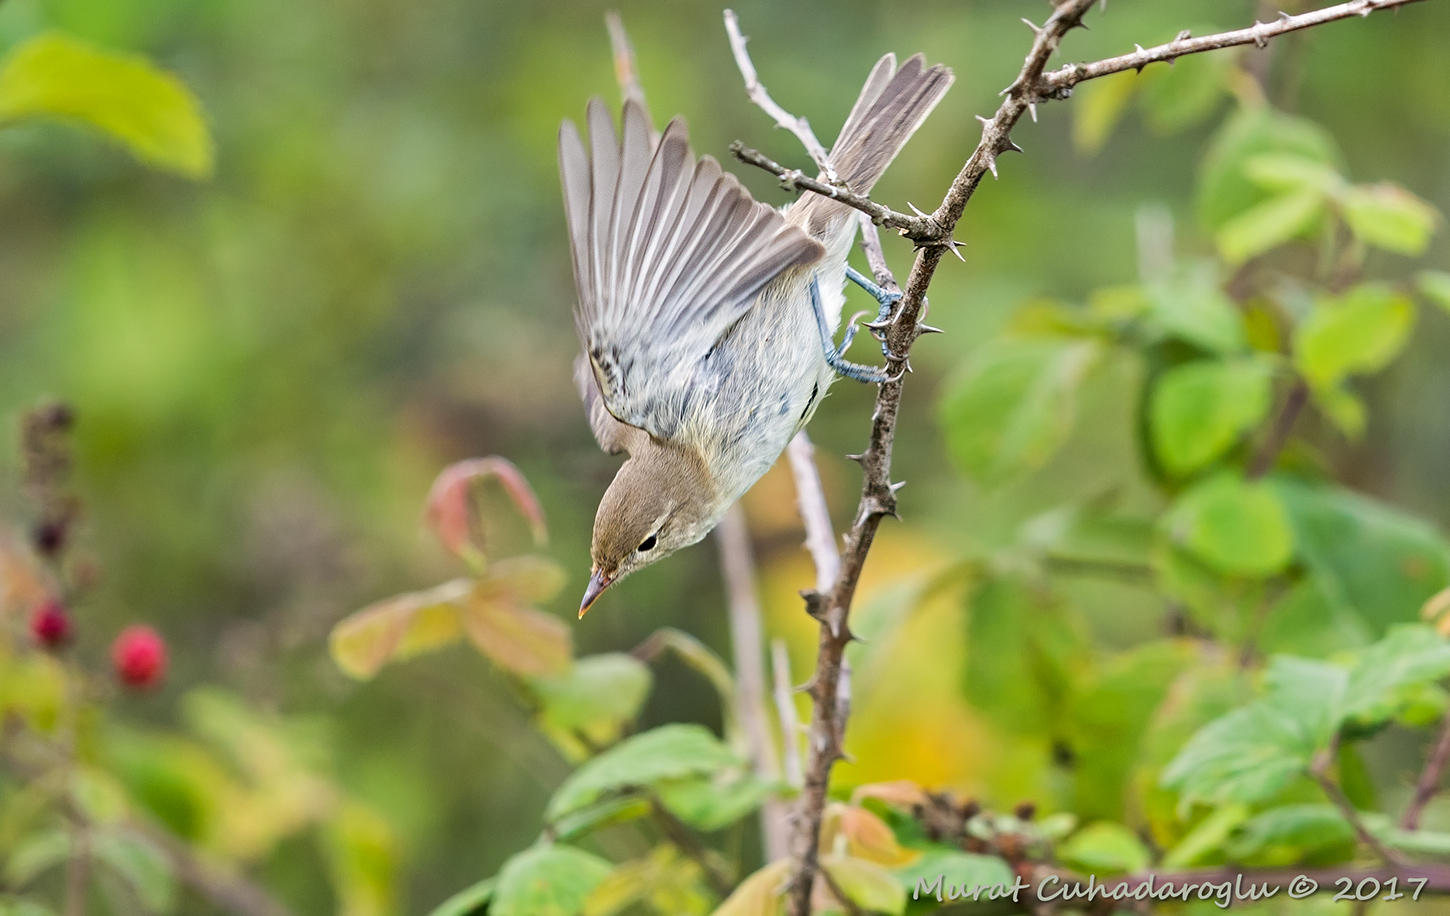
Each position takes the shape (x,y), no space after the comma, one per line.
(707,318)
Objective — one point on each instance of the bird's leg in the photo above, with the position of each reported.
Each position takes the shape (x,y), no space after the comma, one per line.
(888,302)
(835,356)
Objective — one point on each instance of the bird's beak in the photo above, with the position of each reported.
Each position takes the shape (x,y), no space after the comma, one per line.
(597,584)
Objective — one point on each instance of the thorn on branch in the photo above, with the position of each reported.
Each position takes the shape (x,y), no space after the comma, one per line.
(1036,30)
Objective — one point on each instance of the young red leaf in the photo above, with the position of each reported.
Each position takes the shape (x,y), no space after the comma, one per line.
(451,512)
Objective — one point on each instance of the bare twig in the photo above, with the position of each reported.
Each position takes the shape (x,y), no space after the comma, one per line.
(811,497)
(753,88)
(1429,782)
(790,725)
(917,228)
(626,72)
(1320,771)
(1257,34)
(1294,404)
(747,636)
(684,839)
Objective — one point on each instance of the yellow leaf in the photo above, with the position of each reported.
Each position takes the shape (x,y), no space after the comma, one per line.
(868,837)
(759,894)
(525,579)
(399,627)
(150,111)
(527,642)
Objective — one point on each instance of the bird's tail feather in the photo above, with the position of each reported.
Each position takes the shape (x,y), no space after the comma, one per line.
(892,105)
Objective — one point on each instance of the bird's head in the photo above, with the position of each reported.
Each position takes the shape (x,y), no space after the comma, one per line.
(661,500)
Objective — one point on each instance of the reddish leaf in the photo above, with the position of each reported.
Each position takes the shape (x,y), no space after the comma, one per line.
(399,627)
(527,642)
(451,511)
(902,794)
(868,837)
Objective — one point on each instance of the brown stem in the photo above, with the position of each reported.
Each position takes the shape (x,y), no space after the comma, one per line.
(1320,771)
(684,839)
(1429,782)
(1273,444)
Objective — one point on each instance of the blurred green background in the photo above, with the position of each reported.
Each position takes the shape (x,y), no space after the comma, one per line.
(271,365)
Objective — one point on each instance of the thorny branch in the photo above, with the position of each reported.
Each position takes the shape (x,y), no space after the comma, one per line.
(933,235)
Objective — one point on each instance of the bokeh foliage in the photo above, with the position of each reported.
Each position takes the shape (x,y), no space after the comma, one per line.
(271,364)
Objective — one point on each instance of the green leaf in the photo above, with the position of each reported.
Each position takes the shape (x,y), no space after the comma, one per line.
(1288,834)
(1224,188)
(1107,716)
(1199,409)
(1235,526)
(1388,675)
(141,864)
(1269,224)
(1252,753)
(547,880)
(601,814)
(668,752)
(1312,691)
(868,885)
(1105,847)
(1368,558)
(712,803)
(36,854)
(597,697)
(1306,622)
(468,902)
(1279,172)
(1013,404)
(1344,409)
(1246,756)
(1192,308)
(362,859)
(1389,217)
(1179,96)
(1207,837)
(1435,286)
(1099,105)
(1021,645)
(124,95)
(1356,333)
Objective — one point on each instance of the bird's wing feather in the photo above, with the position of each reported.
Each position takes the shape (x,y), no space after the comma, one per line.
(669,251)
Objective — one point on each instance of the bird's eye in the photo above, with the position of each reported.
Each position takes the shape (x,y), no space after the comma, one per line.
(648,543)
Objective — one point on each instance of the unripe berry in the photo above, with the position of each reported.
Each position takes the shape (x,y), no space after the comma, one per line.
(50,624)
(139,656)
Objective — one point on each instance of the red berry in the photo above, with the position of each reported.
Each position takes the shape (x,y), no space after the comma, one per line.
(50,624)
(139,656)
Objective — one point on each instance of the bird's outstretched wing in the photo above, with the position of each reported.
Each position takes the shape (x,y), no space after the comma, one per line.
(669,251)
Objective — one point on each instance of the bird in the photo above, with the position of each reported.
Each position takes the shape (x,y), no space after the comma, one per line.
(707,318)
